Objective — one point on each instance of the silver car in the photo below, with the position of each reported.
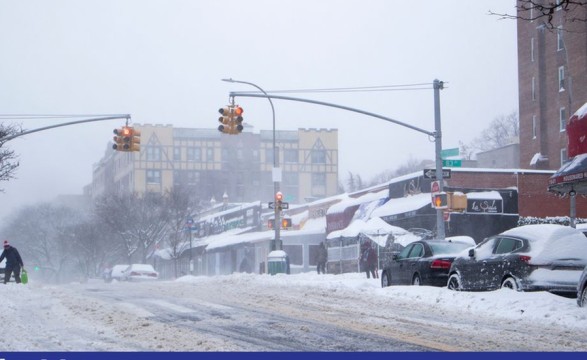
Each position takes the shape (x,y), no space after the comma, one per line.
(582,289)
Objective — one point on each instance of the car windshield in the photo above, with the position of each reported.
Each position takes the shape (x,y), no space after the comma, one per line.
(447,247)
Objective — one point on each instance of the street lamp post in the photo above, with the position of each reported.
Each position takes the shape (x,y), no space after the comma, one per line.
(276,171)
(189,227)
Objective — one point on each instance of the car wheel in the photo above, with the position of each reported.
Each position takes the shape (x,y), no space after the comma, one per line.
(385,279)
(416,281)
(582,300)
(510,283)
(454,282)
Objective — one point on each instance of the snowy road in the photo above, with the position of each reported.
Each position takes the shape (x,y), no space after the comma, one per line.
(286,313)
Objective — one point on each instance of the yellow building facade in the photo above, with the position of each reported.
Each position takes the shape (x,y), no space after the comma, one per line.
(212,164)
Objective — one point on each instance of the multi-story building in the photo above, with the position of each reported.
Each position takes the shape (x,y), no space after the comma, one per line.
(212,164)
(552,74)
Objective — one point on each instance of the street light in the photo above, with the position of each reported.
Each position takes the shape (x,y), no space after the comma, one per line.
(276,170)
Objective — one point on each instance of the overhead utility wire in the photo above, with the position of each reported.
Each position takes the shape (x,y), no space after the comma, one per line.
(405,87)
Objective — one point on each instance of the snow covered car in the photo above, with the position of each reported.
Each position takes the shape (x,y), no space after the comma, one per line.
(543,257)
(582,289)
(140,272)
(116,273)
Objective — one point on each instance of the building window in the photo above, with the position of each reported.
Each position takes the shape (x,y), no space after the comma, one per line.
(563,119)
(533,126)
(194,154)
(318,179)
(153,176)
(318,157)
(153,153)
(210,154)
(564,157)
(561,78)
(269,156)
(176,153)
(560,42)
(532,49)
(290,156)
(533,88)
(193,178)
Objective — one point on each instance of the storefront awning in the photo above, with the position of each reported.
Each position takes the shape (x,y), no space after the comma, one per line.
(571,176)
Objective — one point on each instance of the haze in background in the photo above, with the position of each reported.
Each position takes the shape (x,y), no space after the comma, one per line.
(162,61)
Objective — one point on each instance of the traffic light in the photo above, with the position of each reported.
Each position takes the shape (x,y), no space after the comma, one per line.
(285,223)
(231,119)
(135,139)
(225,119)
(440,200)
(457,201)
(238,119)
(122,140)
(279,200)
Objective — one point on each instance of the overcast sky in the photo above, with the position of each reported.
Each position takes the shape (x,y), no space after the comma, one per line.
(162,62)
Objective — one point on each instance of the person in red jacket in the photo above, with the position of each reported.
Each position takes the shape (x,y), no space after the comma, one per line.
(13,262)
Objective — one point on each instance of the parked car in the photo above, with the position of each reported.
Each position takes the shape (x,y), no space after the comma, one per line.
(582,289)
(423,262)
(542,257)
(116,273)
(140,272)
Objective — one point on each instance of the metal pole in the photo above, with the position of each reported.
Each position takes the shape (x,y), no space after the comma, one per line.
(191,264)
(277,223)
(438,85)
(573,213)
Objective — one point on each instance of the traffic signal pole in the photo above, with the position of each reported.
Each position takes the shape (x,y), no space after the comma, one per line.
(276,171)
(436,134)
(115,117)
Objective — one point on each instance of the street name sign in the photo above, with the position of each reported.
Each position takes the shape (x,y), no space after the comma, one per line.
(431,173)
(284,205)
(452,163)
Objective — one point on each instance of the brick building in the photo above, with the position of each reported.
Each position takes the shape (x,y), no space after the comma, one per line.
(552,75)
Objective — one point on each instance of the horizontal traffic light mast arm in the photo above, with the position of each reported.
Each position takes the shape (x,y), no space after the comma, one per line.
(279,97)
(114,117)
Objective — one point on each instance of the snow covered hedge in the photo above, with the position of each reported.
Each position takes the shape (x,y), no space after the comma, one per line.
(562,220)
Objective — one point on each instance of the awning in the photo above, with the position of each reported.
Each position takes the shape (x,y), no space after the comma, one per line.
(571,176)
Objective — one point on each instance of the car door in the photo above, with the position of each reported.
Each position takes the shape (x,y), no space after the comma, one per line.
(397,266)
(410,264)
(472,270)
(499,263)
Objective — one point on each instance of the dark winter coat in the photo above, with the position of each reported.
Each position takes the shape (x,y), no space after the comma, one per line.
(322,255)
(369,256)
(12,257)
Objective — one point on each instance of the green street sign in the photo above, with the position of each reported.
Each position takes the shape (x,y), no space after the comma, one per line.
(449,152)
(451,163)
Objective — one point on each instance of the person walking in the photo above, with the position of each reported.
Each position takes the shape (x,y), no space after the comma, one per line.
(369,260)
(13,262)
(321,258)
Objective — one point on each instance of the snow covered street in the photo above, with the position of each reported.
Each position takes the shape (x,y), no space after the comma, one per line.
(304,312)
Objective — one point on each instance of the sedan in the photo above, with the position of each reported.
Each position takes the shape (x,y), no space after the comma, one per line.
(140,272)
(543,257)
(423,262)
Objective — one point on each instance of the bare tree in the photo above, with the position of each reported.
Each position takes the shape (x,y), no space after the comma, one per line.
(138,220)
(181,206)
(8,163)
(502,131)
(45,241)
(532,10)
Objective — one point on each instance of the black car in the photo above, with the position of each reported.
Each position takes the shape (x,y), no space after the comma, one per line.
(423,262)
(582,289)
(543,257)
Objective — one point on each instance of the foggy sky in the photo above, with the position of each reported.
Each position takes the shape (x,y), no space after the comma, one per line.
(162,61)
